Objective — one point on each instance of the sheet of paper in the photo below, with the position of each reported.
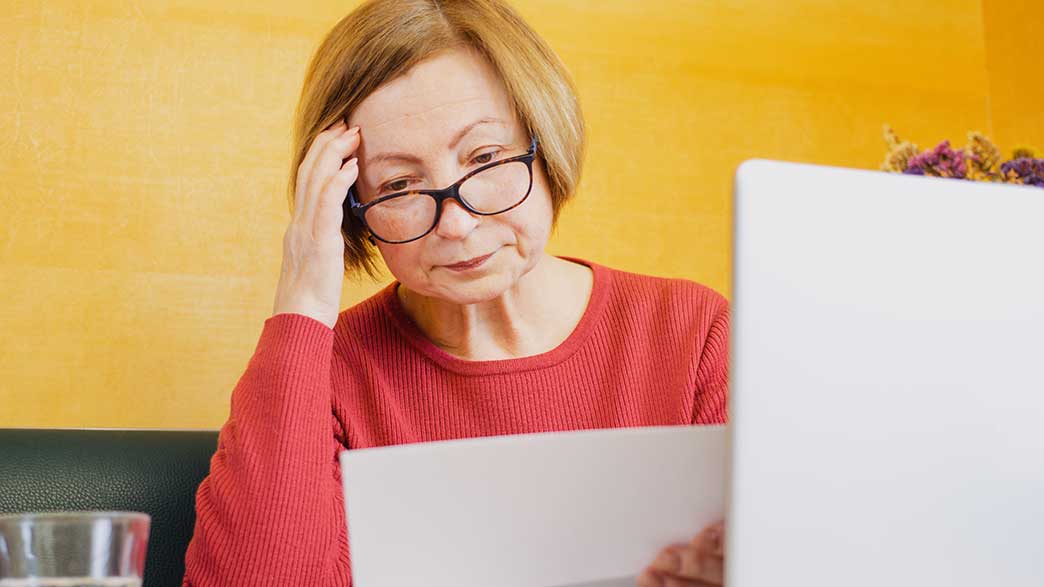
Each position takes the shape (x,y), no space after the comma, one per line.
(586,508)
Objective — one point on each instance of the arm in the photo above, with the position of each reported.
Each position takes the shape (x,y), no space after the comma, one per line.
(271,512)
(701,562)
(712,372)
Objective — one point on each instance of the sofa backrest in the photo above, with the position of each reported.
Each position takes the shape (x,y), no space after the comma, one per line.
(151,471)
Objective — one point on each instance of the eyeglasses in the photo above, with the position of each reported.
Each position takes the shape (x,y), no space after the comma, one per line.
(408,215)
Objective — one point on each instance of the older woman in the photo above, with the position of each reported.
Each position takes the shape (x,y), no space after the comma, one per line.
(444,136)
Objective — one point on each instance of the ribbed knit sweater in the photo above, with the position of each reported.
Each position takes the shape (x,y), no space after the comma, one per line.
(647,351)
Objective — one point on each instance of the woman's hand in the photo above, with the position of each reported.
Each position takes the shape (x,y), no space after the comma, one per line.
(313,248)
(701,562)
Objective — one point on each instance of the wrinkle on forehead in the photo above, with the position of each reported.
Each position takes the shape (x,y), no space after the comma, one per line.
(399,117)
(460,79)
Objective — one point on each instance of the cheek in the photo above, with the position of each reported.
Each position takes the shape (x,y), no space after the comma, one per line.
(533,228)
(535,216)
(403,260)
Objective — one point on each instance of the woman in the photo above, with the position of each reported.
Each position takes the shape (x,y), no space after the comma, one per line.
(445,136)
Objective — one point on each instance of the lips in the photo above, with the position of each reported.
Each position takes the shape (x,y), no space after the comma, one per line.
(470,263)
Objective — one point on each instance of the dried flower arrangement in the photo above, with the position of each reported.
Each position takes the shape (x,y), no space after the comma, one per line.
(979,160)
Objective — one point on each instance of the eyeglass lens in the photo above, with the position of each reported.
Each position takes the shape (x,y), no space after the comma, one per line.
(490,191)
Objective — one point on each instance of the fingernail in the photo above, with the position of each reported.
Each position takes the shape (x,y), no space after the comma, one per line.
(716,540)
(354,129)
(668,561)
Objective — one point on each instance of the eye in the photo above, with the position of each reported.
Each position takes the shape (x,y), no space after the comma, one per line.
(484,158)
(396,185)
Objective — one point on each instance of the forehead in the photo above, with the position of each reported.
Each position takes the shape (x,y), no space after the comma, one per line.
(433,100)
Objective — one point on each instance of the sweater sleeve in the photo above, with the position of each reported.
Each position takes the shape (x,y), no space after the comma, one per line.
(270,510)
(712,373)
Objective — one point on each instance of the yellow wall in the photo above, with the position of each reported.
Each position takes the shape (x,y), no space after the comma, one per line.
(146,144)
(1014,48)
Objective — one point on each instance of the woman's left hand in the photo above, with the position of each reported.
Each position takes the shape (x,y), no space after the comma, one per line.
(699,563)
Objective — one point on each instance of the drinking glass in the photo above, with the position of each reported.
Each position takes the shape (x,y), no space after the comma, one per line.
(73,549)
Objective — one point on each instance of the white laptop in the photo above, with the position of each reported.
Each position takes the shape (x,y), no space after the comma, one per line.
(887,380)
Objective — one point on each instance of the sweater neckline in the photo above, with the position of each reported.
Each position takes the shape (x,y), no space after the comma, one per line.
(602,278)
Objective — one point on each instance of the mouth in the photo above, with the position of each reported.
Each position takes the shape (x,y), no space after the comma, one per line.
(469,264)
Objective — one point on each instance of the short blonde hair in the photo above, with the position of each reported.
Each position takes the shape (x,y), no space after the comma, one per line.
(382,39)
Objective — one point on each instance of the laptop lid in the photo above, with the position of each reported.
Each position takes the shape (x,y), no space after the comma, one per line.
(887,393)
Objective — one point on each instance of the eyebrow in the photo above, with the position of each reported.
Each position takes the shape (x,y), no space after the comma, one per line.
(410,158)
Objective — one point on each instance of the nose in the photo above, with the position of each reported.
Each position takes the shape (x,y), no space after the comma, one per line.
(456,223)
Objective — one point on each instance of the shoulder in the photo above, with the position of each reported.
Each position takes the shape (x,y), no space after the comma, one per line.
(367,323)
(667,296)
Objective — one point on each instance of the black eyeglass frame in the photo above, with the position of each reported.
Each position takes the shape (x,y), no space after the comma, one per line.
(452,192)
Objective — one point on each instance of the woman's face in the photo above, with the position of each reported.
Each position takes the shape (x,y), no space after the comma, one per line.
(410,130)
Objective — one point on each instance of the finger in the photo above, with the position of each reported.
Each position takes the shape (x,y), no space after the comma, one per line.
(329,211)
(700,566)
(688,562)
(651,578)
(668,560)
(328,164)
(719,541)
(711,540)
(304,170)
(669,581)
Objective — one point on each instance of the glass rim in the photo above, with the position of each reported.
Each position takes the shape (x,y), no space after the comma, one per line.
(356,210)
(119,516)
(437,214)
(433,192)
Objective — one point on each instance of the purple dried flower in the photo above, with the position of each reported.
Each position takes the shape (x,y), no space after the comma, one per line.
(1028,171)
(942,161)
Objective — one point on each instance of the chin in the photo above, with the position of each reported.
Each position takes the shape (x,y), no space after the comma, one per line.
(475,291)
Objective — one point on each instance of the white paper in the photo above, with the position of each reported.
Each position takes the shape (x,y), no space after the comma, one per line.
(586,508)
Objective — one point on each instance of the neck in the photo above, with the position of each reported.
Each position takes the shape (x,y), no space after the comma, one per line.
(533,316)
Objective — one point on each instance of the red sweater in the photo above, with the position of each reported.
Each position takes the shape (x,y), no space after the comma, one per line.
(648,351)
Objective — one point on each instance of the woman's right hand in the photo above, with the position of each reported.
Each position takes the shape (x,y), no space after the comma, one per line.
(313,249)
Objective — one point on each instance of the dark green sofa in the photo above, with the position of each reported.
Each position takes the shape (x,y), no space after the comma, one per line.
(151,471)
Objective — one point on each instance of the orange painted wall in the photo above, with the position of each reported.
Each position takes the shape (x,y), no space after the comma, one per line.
(146,147)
